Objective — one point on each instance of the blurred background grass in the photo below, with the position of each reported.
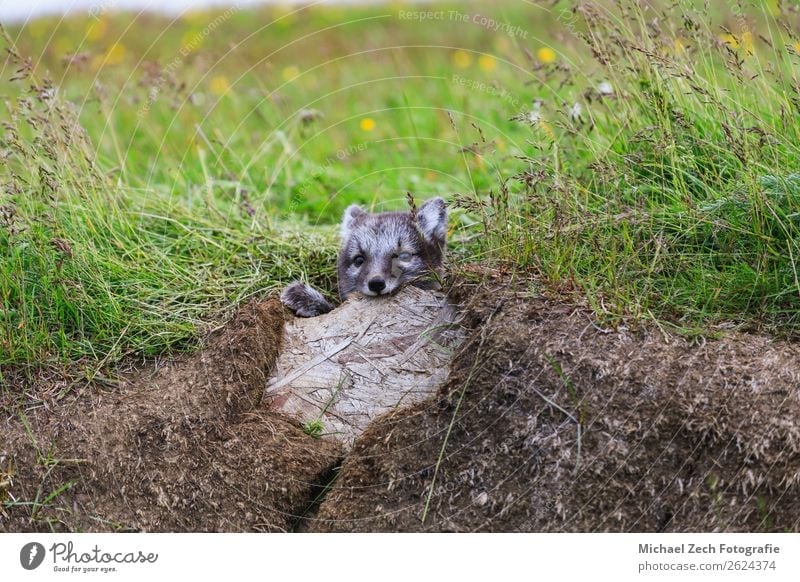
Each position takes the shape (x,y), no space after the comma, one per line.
(158,171)
(294,103)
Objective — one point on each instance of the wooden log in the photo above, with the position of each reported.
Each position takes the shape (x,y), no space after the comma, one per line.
(339,371)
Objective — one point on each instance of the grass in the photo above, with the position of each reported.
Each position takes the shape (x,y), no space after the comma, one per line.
(675,198)
(179,177)
(156,173)
(316,428)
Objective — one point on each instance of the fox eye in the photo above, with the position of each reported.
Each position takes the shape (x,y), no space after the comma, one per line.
(404,256)
(358,261)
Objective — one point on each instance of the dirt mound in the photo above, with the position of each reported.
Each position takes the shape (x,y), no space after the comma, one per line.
(546,422)
(182,447)
(549,422)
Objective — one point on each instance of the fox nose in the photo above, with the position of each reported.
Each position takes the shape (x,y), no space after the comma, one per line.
(376,285)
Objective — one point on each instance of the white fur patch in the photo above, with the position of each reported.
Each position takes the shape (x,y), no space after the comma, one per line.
(351,215)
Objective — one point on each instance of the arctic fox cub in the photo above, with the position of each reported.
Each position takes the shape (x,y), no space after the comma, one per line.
(379,254)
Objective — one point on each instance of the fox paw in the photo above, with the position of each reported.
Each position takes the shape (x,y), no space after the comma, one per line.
(304,300)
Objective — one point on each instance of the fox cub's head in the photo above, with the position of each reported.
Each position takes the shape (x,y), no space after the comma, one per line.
(382,252)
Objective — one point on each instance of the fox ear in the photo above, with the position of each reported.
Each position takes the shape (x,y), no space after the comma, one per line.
(351,216)
(432,220)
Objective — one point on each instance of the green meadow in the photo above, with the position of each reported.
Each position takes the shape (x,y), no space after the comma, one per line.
(159,171)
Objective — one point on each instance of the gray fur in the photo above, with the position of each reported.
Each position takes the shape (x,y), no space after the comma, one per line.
(304,300)
(380,253)
(352,215)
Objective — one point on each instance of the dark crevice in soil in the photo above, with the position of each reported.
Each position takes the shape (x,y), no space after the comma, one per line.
(184,447)
(308,510)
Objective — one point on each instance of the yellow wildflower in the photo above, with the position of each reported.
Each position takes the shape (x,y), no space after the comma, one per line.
(114,54)
(191,41)
(747,41)
(730,40)
(487,63)
(96,29)
(289,73)
(546,55)
(220,85)
(462,59)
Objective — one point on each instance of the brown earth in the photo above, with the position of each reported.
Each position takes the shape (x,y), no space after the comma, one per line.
(182,447)
(547,422)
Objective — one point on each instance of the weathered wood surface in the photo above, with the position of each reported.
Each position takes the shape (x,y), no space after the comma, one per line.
(366,357)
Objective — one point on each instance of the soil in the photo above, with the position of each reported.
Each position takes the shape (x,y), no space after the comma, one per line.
(550,423)
(183,446)
(546,422)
